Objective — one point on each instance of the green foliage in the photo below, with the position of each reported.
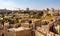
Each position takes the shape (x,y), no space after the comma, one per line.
(13,20)
(17,20)
(37,16)
(1,21)
(49,15)
(5,19)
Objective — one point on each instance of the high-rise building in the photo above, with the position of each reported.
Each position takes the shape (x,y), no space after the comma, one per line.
(27,9)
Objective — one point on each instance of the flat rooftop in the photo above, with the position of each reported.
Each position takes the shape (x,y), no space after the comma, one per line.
(18,29)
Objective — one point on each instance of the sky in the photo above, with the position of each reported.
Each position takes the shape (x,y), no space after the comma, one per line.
(32,4)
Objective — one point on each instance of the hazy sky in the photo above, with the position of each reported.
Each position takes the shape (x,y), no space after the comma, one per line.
(32,4)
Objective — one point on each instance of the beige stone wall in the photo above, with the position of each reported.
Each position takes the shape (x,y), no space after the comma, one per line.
(27,25)
(1,32)
(21,33)
(57,29)
(38,34)
(11,34)
(24,33)
(44,32)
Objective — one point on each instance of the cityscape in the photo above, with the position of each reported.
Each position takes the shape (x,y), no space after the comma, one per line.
(29,22)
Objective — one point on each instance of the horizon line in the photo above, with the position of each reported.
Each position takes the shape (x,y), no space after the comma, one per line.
(29,8)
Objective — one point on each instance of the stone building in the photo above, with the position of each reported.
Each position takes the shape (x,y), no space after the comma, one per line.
(27,23)
(21,31)
(1,29)
(6,25)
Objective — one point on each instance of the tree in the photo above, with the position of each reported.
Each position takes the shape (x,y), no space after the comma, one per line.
(37,16)
(47,9)
(52,9)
